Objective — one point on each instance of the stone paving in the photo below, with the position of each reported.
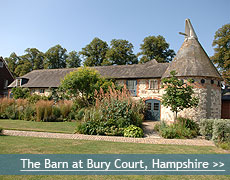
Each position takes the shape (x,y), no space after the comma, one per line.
(146,140)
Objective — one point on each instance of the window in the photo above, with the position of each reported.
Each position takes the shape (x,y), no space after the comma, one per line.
(32,91)
(18,82)
(132,87)
(156,106)
(148,106)
(153,84)
(6,84)
(1,64)
(202,81)
(42,90)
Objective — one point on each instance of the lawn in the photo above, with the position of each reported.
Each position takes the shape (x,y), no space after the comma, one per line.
(61,127)
(31,145)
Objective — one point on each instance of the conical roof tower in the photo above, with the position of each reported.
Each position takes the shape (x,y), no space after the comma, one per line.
(191,60)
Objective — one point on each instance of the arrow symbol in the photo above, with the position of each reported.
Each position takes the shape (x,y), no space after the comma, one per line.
(215,164)
(221,164)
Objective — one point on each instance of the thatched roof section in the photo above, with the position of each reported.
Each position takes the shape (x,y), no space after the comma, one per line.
(52,77)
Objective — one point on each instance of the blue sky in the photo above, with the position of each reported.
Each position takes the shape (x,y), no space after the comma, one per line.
(74,23)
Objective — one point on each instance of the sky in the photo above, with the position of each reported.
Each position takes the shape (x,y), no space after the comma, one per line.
(73,24)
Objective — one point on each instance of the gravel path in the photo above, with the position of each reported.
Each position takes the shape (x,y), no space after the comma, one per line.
(146,140)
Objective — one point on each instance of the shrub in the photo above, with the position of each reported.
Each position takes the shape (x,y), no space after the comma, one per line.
(133,131)
(35,98)
(89,127)
(168,132)
(29,113)
(11,112)
(20,93)
(4,104)
(65,108)
(177,130)
(224,145)
(44,110)
(157,127)
(206,128)
(56,113)
(189,124)
(113,111)
(221,130)
(80,114)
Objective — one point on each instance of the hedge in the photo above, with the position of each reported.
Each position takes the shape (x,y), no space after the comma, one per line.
(216,129)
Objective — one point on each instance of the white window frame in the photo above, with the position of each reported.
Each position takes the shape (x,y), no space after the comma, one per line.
(153,84)
(132,87)
(18,82)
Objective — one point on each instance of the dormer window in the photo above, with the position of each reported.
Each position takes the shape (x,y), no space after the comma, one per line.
(153,84)
(18,82)
(1,64)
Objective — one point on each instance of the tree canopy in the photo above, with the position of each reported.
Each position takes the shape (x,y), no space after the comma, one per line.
(155,47)
(221,56)
(83,83)
(120,53)
(73,60)
(12,63)
(94,53)
(55,57)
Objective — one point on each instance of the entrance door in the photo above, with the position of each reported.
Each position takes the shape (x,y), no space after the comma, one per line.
(153,109)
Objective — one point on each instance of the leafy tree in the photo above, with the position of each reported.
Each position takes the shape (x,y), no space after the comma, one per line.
(55,57)
(35,57)
(19,92)
(120,53)
(178,95)
(73,60)
(23,67)
(12,62)
(221,57)
(94,53)
(155,47)
(83,83)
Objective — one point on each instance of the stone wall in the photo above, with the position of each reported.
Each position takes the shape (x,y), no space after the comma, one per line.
(209,99)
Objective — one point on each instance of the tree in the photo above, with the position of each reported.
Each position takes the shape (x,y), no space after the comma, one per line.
(155,47)
(221,56)
(83,83)
(35,57)
(12,62)
(23,67)
(94,53)
(120,53)
(178,95)
(73,60)
(55,57)
(20,93)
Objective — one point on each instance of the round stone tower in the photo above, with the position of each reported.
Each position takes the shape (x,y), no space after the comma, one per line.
(192,62)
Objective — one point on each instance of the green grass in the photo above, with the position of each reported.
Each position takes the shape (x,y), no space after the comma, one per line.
(31,145)
(61,127)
